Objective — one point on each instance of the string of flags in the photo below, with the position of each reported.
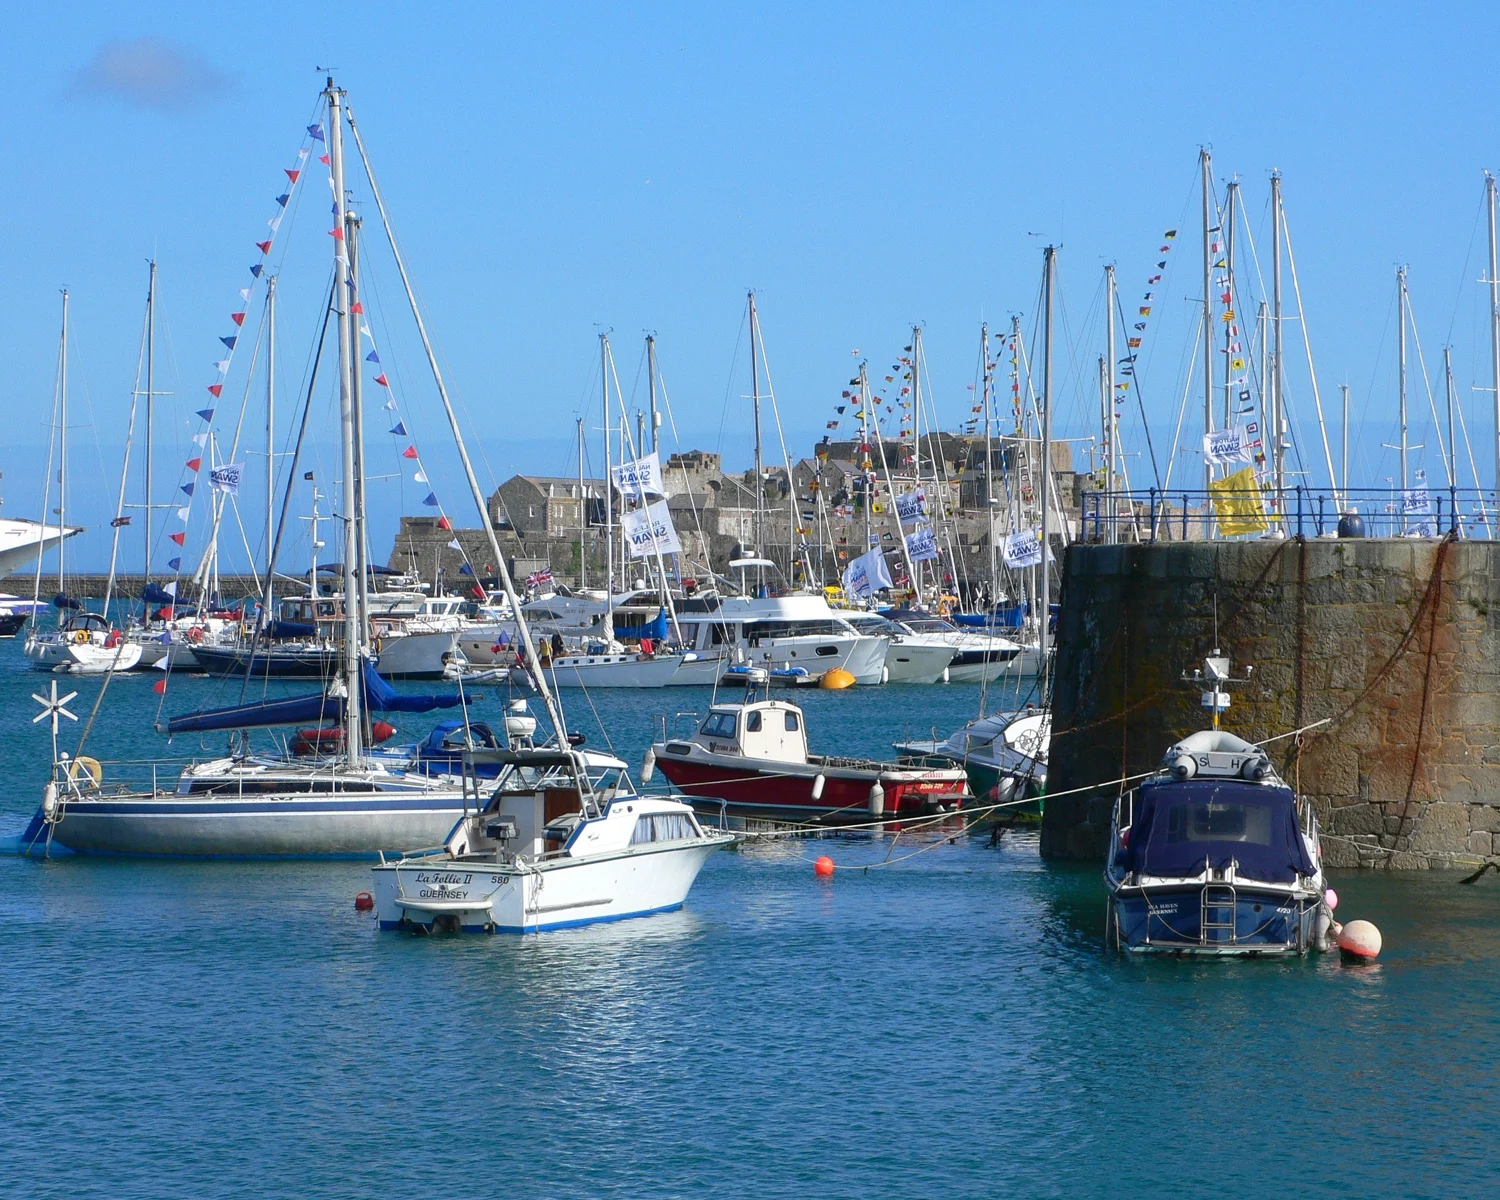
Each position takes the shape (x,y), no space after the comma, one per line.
(226,478)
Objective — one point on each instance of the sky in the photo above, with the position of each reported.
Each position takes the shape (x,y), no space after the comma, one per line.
(556,171)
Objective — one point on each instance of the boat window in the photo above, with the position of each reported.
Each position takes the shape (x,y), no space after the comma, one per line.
(1213,822)
(718,725)
(787,629)
(826,651)
(752,723)
(792,724)
(663,827)
(723,635)
(927,625)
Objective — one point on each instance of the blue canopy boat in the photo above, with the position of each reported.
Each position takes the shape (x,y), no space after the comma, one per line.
(1215,854)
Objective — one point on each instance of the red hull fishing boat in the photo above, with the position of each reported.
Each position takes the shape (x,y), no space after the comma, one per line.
(751,760)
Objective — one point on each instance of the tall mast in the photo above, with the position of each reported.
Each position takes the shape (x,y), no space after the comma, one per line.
(583,516)
(1489,196)
(1045,590)
(1208,331)
(270,441)
(1111,431)
(1344,465)
(353,620)
(609,491)
(989,469)
(1452,455)
(62,441)
(1278,414)
(916,449)
(864,441)
(1401,365)
(651,394)
(760,475)
(150,400)
(1233,192)
(356,339)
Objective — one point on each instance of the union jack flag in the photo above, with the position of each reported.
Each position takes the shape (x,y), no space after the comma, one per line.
(537,578)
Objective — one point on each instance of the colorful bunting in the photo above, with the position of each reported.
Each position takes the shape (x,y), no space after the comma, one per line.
(382,380)
(238,318)
(372,356)
(194,463)
(188,488)
(179,538)
(400,430)
(174,564)
(432,500)
(207,413)
(409,452)
(264,247)
(229,341)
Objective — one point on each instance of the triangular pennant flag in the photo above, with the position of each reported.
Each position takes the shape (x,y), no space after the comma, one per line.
(265,246)
(282,199)
(323,158)
(237,318)
(179,538)
(215,390)
(274,222)
(188,488)
(444,523)
(454,545)
(390,405)
(356,307)
(420,477)
(200,439)
(409,452)
(194,463)
(255,270)
(382,380)
(431,501)
(316,131)
(372,356)
(182,515)
(222,366)
(174,564)
(365,329)
(302,154)
(207,413)
(244,293)
(400,430)
(336,233)
(229,341)
(291,173)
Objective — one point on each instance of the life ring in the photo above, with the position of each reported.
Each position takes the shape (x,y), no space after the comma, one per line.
(195,634)
(89,766)
(81,636)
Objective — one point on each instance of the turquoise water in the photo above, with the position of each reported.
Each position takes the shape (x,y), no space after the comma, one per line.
(947,1026)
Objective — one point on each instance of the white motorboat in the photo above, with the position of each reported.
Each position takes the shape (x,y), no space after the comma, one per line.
(782,631)
(559,842)
(21,541)
(910,657)
(978,657)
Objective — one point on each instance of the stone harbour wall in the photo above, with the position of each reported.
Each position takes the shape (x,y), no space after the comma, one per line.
(1397,641)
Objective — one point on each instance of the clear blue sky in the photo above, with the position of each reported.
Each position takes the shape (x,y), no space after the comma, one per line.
(553,170)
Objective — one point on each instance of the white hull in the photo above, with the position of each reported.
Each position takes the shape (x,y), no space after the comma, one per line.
(913,661)
(416,655)
(555,894)
(21,541)
(862,657)
(88,658)
(1025,665)
(613,670)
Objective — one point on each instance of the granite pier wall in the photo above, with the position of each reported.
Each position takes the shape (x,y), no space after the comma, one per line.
(1397,641)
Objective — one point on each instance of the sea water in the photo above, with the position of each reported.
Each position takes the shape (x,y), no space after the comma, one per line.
(945,1023)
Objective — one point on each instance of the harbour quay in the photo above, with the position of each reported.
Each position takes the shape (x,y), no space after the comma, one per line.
(1384,651)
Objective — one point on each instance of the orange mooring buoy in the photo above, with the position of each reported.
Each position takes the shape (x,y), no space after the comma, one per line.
(364,902)
(1359,941)
(823,866)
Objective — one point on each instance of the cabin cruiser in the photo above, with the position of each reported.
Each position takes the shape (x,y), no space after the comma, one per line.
(1005,754)
(561,840)
(85,643)
(1215,854)
(978,657)
(751,760)
(778,631)
(909,657)
(15,612)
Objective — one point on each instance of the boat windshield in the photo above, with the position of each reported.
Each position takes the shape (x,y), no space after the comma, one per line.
(927,625)
(871,623)
(1180,826)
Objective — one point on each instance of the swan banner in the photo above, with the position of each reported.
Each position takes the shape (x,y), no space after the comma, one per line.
(226,478)
(1228,445)
(1416,509)
(911,506)
(867,574)
(1023,549)
(642,477)
(921,545)
(649,531)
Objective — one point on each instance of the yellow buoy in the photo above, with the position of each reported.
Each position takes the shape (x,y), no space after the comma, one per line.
(835,680)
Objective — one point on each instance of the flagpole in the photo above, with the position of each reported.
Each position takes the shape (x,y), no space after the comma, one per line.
(609,495)
(1208,339)
(1489,195)
(1112,429)
(1401,371)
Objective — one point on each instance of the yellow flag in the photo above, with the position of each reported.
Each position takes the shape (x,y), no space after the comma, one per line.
(1237,504)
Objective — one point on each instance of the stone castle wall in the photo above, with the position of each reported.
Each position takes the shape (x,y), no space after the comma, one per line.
(1397,641)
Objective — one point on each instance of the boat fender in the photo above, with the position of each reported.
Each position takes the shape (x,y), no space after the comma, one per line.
(364,902)
(1359,942)
(1184,766)
(945,676)
(88,766)
(877,799)
(648,765)
(1255,769)
(1322,926)
(820,781)
(885,674)
(49,800)
(1331,898)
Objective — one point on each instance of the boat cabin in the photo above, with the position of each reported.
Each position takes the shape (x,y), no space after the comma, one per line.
(770,729)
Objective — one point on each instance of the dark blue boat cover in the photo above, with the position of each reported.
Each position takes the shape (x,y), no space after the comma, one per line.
(1180,824)
(293,629)
(382,697)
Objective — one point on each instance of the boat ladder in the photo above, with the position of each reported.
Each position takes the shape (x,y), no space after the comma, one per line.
(1216,923)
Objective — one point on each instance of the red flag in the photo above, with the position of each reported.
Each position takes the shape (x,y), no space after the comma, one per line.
(409,452)
(356,307)
(444,523)
(237,318)
(160,687)
(179,538)
(291,174)
(264,247)
(194,463)
(216,388)
(323,158)
(336,233)
(382,380)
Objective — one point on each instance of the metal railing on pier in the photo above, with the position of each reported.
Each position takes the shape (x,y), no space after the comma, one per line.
(1184,515)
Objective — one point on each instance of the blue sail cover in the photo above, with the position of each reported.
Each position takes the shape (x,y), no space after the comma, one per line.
(303,710)
(1180,824)
(154,593)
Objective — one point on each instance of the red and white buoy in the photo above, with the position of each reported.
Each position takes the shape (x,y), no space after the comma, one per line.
(1359,942)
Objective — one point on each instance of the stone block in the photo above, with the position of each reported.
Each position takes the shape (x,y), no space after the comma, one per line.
(1485,817)
(1480,842)
(1340,854)
(1404,860)
(1359,818)
(1443,827)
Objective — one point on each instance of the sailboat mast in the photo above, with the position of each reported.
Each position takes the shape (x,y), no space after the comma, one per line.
(1111,431)
(1044,590)
(1230,201)
(62,442)
(1452,447)
(1401,365)
(1344,465)
(1489,195)
(150,401)
(583,517)
(989,467)
(760,474)
(609,494)
(864,442)
(1208,330)
(1278,415)
(651,394)
(353,619)
(356,338)
(270,437)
